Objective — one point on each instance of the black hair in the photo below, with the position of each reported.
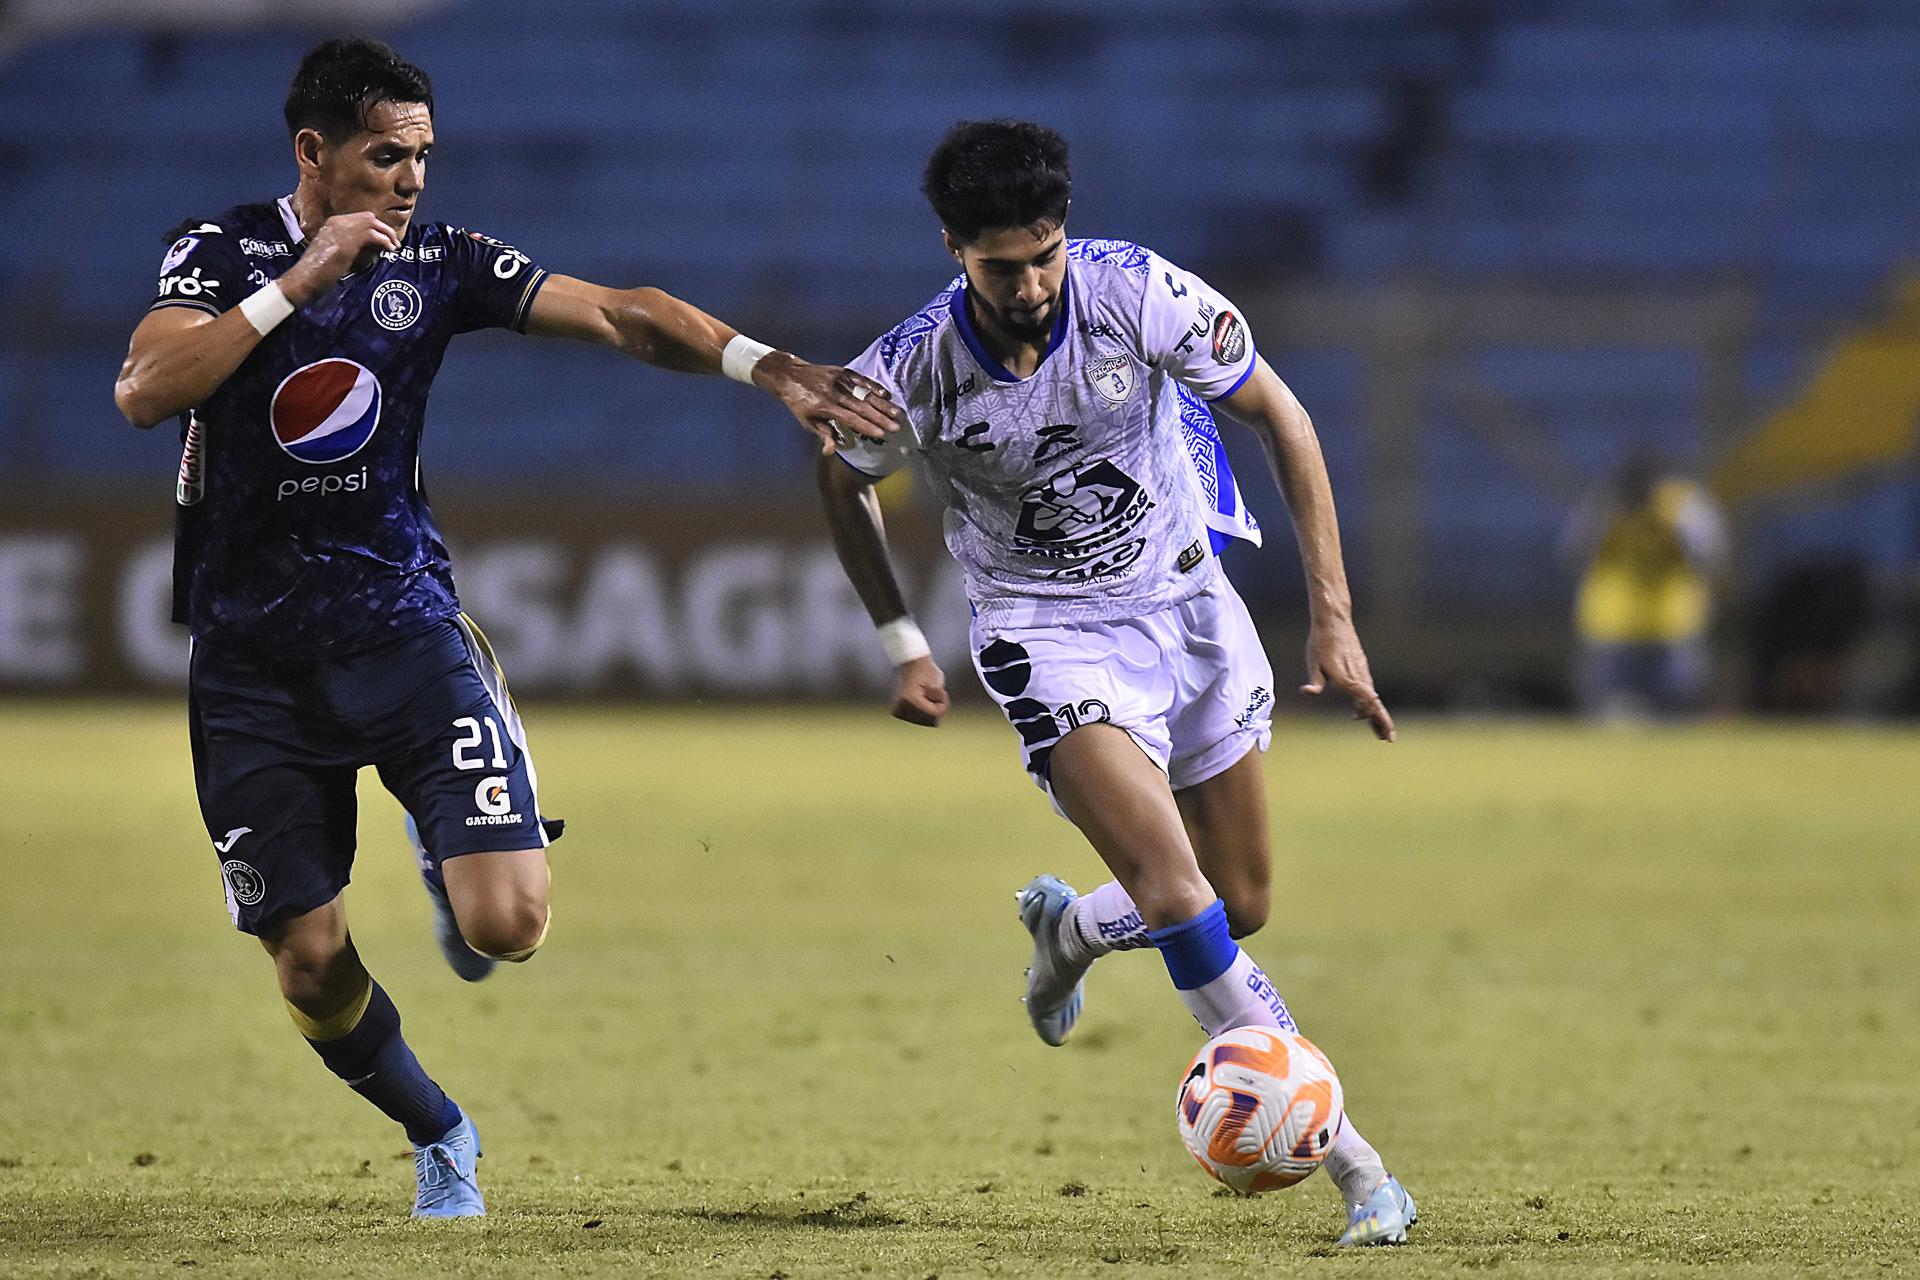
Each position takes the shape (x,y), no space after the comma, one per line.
(987,174)
(340,81)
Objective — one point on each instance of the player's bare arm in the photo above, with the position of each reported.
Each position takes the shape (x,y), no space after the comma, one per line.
(180,356)
(859,539)
(660,329)
(1269,408)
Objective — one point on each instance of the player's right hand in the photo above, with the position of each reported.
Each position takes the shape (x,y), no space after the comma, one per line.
(920,692)
(335,250)
(828,400)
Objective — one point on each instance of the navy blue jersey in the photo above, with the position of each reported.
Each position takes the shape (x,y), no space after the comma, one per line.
(303,529)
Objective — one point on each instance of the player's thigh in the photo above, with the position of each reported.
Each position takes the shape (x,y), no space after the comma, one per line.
(453,750)
(1051,680)
(277,801)
(1221,722)
(1226,819)
(1119,799)
(1224,683)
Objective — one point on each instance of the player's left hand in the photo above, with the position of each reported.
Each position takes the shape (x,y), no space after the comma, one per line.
(829,400)
(1334,654)
(920,692)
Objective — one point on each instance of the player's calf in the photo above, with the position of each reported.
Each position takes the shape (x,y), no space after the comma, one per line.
(352,1024)
(1226,819)
(1246,910)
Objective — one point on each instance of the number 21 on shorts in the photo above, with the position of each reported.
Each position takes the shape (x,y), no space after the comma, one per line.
(473,739)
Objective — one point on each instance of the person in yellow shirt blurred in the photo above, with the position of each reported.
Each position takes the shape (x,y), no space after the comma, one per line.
(1652,546)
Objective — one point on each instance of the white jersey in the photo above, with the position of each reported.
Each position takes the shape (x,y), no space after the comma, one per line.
(1097,488)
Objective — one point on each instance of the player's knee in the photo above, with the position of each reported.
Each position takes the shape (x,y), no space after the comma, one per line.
(511,930)
(1168,896)
(317,979)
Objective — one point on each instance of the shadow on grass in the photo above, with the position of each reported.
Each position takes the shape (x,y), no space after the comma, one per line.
(857,1214)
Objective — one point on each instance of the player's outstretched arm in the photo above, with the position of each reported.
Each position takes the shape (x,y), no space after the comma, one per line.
(859,538)
(1268,406)
(660,329)
(179,355)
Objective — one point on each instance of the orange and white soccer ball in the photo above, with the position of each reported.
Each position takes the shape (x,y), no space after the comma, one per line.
(1258,1108)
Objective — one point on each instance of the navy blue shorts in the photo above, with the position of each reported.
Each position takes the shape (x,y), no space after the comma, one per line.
(276,746)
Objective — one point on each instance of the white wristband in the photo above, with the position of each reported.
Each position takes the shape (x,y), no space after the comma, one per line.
(740,355)
(266,307)
(902,641)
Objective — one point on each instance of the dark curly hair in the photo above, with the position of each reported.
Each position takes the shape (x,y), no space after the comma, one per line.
(987,174)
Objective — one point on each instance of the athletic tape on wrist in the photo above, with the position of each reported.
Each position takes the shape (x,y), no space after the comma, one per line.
(740,355)
(902,641)
(266,307)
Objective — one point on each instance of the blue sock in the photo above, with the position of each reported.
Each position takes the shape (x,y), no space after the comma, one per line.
(1198,950)
(1219,983)
(376,1064)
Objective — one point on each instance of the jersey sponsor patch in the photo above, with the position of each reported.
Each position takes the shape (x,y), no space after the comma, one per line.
(1077,506)
(325,411)
(1078,516)
(1229,338)
(192,285)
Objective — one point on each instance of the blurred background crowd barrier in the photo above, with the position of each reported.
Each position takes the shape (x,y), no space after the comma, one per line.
(1505,253)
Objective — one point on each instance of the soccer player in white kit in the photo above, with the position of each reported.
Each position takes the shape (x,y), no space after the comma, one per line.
(1057,394)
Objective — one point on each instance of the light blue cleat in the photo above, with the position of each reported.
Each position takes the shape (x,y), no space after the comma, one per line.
(1053,981)
(443,1172)
(461,958)
(1383,1218)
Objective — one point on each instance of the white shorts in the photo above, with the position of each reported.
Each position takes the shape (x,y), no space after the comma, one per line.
(1191,684)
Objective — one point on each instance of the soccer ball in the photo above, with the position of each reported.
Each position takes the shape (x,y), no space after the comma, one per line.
(1258,1108)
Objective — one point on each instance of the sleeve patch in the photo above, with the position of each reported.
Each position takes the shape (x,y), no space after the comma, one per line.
(178,253)
(1229,338)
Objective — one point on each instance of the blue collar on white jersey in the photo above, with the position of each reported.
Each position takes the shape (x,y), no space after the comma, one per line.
(997,371)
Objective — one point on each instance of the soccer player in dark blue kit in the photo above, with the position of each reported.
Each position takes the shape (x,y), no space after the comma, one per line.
(297,341)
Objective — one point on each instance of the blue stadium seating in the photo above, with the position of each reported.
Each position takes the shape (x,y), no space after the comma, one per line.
(768,168)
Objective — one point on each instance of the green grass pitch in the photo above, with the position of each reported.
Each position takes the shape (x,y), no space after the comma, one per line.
(1627,1003)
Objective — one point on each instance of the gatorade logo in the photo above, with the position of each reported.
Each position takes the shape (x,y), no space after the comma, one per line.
(326,411)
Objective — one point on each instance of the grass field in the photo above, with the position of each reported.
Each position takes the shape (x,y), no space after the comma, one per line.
(1611,1004)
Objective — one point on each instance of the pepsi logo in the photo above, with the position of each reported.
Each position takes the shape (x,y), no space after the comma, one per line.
(326,411)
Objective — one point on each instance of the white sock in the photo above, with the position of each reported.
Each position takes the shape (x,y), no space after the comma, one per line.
(1100,921)
(1354,1165)
(1240,997)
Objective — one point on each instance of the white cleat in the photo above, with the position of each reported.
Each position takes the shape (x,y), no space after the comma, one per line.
(1053,996)
(1383,1218)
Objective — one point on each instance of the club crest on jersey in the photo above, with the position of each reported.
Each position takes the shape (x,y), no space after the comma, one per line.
(396,304)
(1112,377)
(178,254)
(326,411)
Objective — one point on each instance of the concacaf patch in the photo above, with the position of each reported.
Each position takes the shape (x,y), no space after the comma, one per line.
(1229,339)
